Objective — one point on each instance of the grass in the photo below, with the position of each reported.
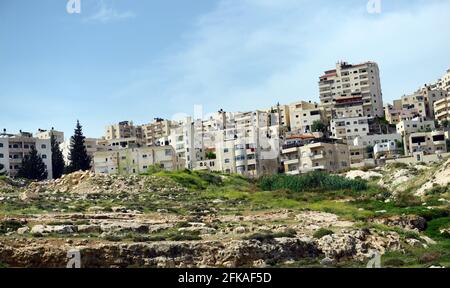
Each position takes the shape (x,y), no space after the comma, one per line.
(322,232)
(314,181)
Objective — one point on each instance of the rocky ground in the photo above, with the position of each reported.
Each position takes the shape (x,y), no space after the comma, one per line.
(186,219)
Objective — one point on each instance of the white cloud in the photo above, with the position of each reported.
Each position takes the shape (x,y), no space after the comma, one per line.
(106,14)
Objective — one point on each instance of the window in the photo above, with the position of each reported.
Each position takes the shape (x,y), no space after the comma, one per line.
(144,156)
(43,146)
(227,161)
(1,145)
(2,156)
(44,156)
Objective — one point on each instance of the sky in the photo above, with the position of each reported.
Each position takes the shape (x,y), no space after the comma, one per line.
(137,60)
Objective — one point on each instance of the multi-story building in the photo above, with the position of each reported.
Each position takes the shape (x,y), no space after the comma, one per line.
(350,128)
(13,148)
(315,155)
(47,134)
(418,124)
(423,101)
(135,160)
(124,129)
(116,144)
(385,150)
(347,80)
(283,112)
(90,144)
(443,83)
(303,114)
(442,109)
(152,132)
(427,143)
(396,113)
(361,149)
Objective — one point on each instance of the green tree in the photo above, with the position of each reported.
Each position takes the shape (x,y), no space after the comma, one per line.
(78,157)
(2,172)
(319,126)
(58,164)
(33,168)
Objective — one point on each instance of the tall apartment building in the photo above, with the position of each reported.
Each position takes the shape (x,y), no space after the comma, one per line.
(13,148)
(47,134)
(134,160)
(349,81)
(124,129)
(284,114)
(304,114)
(315,155)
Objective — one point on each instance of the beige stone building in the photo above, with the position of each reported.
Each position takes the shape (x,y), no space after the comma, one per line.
(124,129)
(427,143)
(135,160)
(423,101)
(394,114)
(13,148)
(46,134)
(152,132)
(442,109)
(350,128)
(315,155)
(303,114)
(348,81)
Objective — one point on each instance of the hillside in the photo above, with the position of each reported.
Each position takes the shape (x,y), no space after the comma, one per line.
(199,219)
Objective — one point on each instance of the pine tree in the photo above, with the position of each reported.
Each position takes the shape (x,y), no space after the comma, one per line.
(58,164)
(33,168)
(79,160)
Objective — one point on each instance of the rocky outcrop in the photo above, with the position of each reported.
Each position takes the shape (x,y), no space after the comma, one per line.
(411,222)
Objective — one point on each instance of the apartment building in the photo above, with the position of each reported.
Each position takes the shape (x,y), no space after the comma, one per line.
(13,148)
(284,114)
(134,160)
(394,114)
(442,109)
(152,132)
(443,83)
(249,151)
(303,115)
(47,134)
(350,128)
(385,150)
(348,107)
(418,124)
(423,101)
(90,144)
(315,155)
(428,143)
(116,144)
(348,80)
(362,151)
(124,129)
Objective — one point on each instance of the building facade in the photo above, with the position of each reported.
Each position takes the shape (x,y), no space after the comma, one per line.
(347,81)
(13,148)
(135,160)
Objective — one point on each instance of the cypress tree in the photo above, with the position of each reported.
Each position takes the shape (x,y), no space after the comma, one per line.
(79,160)
(2,172)
(58,164)
(33,168)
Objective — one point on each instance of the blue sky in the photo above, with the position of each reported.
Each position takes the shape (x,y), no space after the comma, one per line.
(140,59)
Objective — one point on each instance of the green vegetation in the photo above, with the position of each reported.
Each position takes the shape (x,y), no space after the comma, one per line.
(79,159)
(267,236)
(33,168)
(322,232)
(9,226)
(314,181)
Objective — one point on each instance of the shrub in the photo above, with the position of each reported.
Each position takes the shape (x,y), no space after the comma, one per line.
(394,262)
(315,181)
(406,199)
(429,257)
(322,232)
(9,226)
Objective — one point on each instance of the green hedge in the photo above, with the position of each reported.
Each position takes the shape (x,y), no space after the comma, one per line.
(314,181)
